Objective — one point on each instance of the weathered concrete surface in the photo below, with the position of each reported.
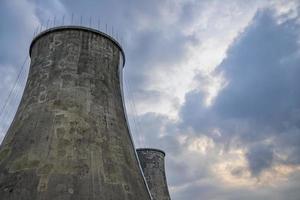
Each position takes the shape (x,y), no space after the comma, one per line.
(69,139)
(153,165)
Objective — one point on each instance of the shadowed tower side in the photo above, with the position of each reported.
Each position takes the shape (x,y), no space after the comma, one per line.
(69,139)
(153,165)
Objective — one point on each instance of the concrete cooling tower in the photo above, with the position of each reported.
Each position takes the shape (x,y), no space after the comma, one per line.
(153,166)
(69,139)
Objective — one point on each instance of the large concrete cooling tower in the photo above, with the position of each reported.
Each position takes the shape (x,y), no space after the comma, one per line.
(69,139)
(153,166)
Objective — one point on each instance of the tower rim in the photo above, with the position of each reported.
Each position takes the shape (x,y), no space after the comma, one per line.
(151,149)
(74,27)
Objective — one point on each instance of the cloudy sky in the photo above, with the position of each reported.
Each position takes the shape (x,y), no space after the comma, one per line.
(212,83)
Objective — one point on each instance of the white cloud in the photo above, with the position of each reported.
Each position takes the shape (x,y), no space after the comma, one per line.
(214,28)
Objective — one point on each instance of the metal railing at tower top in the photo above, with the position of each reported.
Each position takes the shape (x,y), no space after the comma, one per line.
(73,20)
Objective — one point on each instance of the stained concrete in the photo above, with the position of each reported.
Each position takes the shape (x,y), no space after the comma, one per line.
(69,139)
(153,165)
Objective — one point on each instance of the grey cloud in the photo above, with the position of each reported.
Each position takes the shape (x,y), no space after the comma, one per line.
(260,82)
(262,68)
(155,137)
(217,191)
(255,105)
(260,157)
(195,114)
(262,98)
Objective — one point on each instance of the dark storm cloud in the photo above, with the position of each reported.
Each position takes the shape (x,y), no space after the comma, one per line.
(262,99)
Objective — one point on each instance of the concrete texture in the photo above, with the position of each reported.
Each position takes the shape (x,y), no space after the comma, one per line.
(69,139)
(153,166)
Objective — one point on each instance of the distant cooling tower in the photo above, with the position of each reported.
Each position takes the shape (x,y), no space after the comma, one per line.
(153,166)
(69,139)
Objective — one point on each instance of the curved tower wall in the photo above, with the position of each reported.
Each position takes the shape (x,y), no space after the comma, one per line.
(153,165)
(69,138)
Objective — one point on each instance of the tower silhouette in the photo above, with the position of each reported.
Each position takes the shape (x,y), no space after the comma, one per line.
(69,139)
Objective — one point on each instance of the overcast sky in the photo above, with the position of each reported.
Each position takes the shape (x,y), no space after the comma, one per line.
(215,84)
